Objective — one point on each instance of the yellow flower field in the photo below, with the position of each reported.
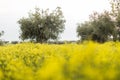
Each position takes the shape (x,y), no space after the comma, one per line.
(86,61)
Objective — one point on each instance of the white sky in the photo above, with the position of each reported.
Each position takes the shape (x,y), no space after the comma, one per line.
(75,11)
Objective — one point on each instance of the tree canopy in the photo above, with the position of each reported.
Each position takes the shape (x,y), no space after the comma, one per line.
(102,26)
(99,28)
(1,33)
(42,25)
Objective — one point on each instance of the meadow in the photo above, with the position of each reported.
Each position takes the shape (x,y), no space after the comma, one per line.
(86,61)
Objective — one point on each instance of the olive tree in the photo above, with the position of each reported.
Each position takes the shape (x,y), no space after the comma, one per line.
(99,28)
(42,25)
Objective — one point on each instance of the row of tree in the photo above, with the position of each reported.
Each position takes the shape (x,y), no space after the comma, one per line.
(44,25)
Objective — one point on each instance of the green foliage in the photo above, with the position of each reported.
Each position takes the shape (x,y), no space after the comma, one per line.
(1,33)
(99,28)
(1,42)
(115,5)
(103,26)
(14,42)
(85,30)
(42,25)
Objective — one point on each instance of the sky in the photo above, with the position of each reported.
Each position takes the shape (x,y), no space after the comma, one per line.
(74,11)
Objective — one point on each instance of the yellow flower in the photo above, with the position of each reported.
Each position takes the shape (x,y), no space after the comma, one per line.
(1,75)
